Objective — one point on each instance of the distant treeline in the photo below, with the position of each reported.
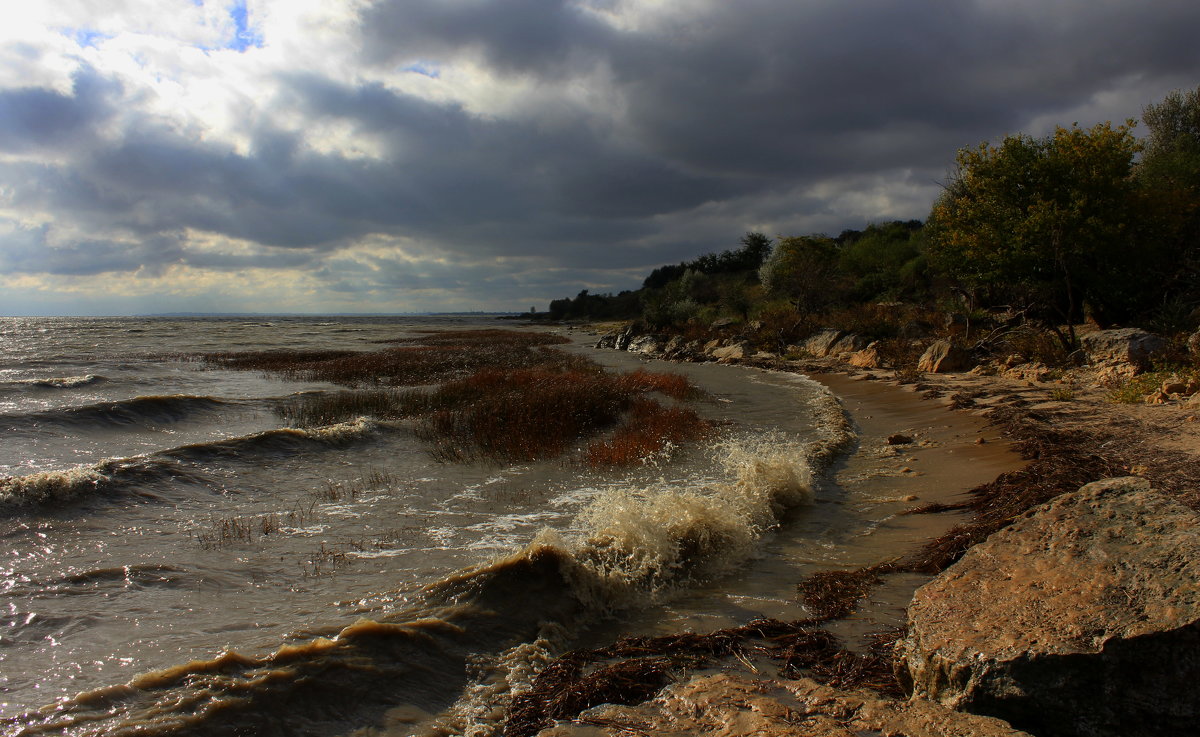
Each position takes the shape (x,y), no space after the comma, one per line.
(1083,223)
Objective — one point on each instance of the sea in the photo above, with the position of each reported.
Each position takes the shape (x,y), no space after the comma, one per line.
(178,559)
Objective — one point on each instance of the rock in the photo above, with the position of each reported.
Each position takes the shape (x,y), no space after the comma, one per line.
(1156,397)
(1193,342)
(1037,372)
(848,344)
(899,439)
(722,322)
(647,344)
(1080,619)
(1126,345)
(867,358)
(1115,374)
(943,356)
(1174,386)
(1194,402)
(820,342)
(726,354)
(735,705)
(617,339)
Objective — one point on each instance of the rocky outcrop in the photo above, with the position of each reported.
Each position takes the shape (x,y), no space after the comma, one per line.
(867,358)
(1080,619)
(617,340)
(1193,342)
(1125,345)
(733,705)
(943,356)
(847,344)
(646,344)
(726,354)
(819,343)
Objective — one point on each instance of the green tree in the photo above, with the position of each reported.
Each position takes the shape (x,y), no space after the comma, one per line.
(1045,223)
(803,270)
(1169,174)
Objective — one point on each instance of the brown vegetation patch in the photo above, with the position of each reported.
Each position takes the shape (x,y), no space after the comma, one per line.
(648,429)
(428,359)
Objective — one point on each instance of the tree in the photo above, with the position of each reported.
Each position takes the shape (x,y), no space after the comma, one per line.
(1045,223)
(1169,174)
(803,270)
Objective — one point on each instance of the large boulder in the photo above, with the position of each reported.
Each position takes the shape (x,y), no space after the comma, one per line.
(848,344)
(1124,345)
(1193,342)
(943,356)
(646,344)
(617,339)
(820,342)
(1081,619)
(734,705)
(729,353)
(867,358)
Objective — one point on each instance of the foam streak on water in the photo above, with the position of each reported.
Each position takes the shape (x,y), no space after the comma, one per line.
(178,561)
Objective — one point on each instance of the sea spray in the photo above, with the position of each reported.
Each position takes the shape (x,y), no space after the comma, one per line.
(50,487)
(638,544)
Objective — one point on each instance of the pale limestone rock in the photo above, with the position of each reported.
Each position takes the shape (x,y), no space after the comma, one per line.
(1082,618)
(847,344)
(735,705)
(1115,374)
(726,354)
(867,358)
(1126,345)
(942,356)
(645,344)
(820,343)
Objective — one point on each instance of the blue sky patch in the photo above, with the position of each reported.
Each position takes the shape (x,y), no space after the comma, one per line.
(244,37)
(425,68)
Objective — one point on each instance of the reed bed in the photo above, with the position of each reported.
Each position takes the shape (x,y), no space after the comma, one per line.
(426,359)
(648,429)
(502,395)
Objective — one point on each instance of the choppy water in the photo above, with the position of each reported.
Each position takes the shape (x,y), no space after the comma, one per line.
(175,559)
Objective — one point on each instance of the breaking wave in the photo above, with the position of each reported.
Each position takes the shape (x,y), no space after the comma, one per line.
(50,383)
(136,476)
(393,672)
(140,411)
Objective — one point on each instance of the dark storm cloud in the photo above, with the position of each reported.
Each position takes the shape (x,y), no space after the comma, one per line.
(697,126)
(34,117)
(811,89)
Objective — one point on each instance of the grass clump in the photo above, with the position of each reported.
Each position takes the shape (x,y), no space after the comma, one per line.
(648,429)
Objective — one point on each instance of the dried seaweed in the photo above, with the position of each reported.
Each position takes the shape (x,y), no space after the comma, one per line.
(635,669)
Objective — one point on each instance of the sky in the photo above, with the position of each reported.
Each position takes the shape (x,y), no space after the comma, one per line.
(340,156)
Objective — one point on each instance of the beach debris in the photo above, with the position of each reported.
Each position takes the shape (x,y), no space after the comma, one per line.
(899,439)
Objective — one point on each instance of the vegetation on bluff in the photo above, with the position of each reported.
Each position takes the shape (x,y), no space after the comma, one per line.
(1031,233)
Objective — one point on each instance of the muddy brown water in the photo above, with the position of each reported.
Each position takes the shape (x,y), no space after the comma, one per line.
(422,599)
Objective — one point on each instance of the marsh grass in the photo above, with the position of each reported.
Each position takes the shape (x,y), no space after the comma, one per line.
(427,359)
(338,491)
(648,429)
(223,532)
(503,395)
